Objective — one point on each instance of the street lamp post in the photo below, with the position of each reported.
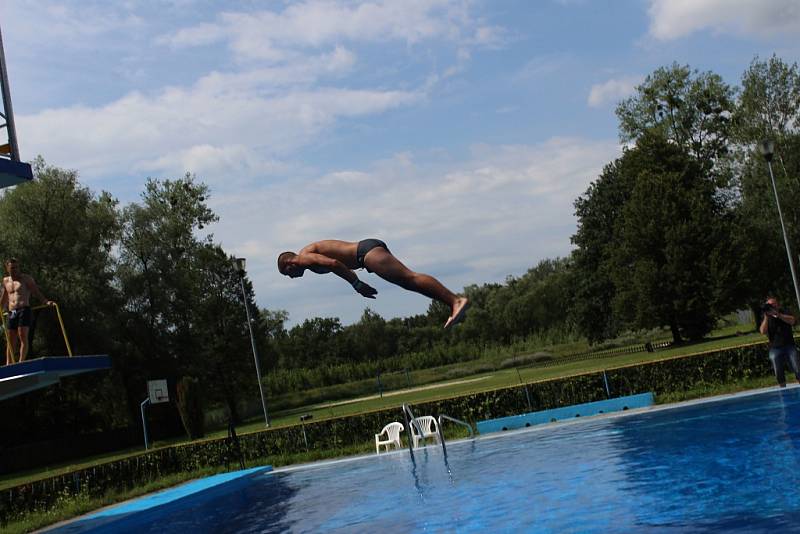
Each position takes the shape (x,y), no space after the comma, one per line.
(767,149)
(240,262)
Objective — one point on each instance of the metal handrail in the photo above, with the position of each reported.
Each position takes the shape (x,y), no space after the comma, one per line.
(441,432)
(409,413)
(457,421)
(410,420)
(60,322)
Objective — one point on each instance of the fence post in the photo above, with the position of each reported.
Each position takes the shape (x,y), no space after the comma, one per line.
(527,394)
(605,381)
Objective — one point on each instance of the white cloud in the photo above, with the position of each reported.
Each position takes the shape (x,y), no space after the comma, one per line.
(223,163)
(672,19)
(448,219)
(69,25)
(247,118)
(543,67)
(277,36)
(490,36)
(300,72)
(189,127)
(202,34)
(612,91)
(345,177)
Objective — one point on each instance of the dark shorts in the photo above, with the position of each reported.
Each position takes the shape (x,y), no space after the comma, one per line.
(20,317)
(364,247)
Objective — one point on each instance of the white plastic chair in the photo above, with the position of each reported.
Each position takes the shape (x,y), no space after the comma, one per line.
(392,431)
(428,426)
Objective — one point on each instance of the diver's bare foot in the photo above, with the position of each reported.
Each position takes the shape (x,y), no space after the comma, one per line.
(459,311)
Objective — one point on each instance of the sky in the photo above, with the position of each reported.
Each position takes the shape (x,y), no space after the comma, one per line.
(458,131)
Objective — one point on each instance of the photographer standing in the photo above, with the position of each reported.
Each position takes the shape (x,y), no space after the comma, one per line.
(777,325)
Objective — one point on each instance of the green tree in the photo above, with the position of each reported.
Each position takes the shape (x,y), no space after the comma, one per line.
(690,108)
(371,338)
(63,234)
(650,245)
(761,254)
(273,324)
(315,342)
(598,211)
(160,274)
(668,230)
(769,108)
(481,325)
(769,105)
(224,360)
(537,301)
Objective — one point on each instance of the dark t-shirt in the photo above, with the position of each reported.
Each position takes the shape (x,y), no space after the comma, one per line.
(779,332)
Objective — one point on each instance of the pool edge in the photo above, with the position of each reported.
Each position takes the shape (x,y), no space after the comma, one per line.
(126,515)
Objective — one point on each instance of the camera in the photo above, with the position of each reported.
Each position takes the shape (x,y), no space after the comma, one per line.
(767,308)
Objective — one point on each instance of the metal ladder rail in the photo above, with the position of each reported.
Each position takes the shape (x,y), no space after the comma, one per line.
(410,420)
(457,421)
(443,417)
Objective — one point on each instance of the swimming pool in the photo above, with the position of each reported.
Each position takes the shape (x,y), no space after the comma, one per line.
(726,465)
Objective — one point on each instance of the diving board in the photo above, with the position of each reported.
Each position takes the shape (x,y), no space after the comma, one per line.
(14,172)
(30,375)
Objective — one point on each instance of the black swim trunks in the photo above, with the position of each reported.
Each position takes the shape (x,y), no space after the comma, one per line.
(365,246)
(20,317)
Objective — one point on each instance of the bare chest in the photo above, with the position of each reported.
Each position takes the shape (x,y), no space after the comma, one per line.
(15,288)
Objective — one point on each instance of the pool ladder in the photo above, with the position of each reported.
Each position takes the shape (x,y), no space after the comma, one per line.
(411,420)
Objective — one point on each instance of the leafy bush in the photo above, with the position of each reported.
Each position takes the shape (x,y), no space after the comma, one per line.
(526,359)
(457,372)
(483,368)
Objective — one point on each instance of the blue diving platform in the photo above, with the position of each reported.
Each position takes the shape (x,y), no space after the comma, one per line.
(14,172)
(19,378)
(617,404)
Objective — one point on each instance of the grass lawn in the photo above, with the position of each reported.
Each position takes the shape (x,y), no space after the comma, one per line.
(500,378)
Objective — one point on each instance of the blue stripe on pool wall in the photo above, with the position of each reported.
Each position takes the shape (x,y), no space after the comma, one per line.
(641,400)
(130,515)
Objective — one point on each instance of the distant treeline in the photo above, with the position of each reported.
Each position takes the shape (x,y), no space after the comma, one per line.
(677,232)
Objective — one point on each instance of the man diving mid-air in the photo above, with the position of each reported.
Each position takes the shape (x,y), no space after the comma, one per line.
(341,257)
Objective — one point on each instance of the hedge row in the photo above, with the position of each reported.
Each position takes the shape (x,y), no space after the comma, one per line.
(669,375)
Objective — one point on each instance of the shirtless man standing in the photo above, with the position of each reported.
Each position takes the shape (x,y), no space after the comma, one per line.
(16,297)
(341,257)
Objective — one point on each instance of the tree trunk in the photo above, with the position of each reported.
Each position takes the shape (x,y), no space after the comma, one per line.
(676,333)
(756,317)
(230,401)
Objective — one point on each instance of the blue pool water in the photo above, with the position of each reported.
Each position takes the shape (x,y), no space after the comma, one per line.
(729,465)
